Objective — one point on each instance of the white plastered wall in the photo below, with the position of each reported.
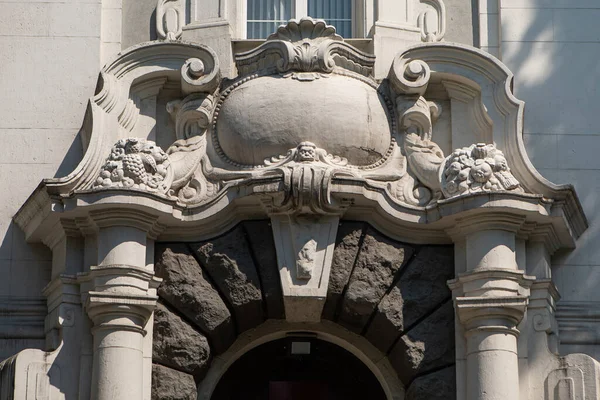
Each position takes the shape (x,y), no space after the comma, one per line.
(51,52)
(553,48)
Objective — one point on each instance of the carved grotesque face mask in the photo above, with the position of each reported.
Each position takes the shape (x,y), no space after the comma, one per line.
(306,152)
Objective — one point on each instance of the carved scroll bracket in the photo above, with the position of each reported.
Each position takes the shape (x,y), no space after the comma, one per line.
(201,74)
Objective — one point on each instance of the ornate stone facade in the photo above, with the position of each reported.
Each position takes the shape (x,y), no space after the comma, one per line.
(214,211)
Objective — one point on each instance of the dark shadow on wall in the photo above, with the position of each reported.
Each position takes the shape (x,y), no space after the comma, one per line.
(72,158)
(557,77)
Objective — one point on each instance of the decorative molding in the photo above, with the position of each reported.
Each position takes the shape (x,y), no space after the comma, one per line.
(576,378)
(578,322)
(432,33)
(170,19)
(307,48)
(22,317)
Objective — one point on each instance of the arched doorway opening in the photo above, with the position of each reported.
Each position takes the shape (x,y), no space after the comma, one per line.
(298,368)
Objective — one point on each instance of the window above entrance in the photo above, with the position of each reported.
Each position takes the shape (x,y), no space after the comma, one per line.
(264,16)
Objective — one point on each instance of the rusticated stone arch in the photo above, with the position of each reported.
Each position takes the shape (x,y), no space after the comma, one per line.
(392,294)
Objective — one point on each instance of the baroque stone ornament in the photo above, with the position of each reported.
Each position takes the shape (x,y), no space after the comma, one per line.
(170,19)
(432,21)
(135,163)
(478,168)
(304,136)
(307,48)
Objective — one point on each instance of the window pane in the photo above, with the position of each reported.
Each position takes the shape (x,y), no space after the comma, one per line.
(265,16)
(336,12)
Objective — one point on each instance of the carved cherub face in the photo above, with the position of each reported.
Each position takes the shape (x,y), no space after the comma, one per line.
(500,163)
(481,171)
(307,152)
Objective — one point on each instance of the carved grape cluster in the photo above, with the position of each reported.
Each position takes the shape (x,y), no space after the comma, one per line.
(134,163)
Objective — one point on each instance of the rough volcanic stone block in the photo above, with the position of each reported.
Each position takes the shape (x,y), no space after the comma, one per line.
(186,288)
(169,384)
(378,261)
(346,248)
(426,347)
(421,289)
(438,385)
(260,236)
(229,262)
(178,345)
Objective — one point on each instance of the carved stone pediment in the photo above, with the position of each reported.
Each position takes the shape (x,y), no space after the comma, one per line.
(305,129)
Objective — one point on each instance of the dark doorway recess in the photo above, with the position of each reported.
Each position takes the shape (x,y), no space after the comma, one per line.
(298,368)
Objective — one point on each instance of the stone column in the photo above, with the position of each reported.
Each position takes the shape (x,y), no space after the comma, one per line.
(120,299)
(490,300)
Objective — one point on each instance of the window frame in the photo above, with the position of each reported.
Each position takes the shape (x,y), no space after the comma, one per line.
(300,9)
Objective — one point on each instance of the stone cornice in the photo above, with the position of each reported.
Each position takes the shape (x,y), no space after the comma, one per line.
(579,322)
(164,218)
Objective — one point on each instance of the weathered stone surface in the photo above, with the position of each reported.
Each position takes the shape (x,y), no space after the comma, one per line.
(178,345)
(420,290)
(346,248)
(439,385)
(378,261)
(169,384)
(186,289)
(426,347)
(260,236)
(229,262)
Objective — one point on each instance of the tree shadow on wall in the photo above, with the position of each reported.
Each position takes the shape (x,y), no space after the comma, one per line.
(556,64)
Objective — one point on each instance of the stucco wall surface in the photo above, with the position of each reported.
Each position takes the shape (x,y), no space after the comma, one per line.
(50,62)
(553,48)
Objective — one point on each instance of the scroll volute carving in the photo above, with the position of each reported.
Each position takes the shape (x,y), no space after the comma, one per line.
(140,164)
(200,78)
(416,116)
(478,168)
(306,48)
(192,117)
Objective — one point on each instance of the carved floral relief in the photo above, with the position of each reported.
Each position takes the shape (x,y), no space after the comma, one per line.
(197,167)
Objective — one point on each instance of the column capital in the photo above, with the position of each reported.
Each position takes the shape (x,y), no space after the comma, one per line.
(491,314)
(98,219)
(119,291)
(497,282)
(120,312)
(486,221)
